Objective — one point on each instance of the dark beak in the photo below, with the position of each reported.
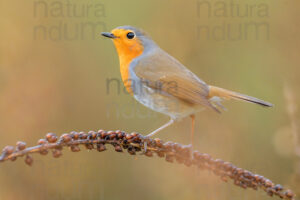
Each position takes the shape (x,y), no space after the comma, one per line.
(109,35)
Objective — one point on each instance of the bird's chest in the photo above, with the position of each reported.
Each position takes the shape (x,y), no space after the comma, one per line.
(124,69)
(128,82)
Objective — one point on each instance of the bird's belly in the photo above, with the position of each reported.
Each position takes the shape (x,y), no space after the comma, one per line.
(164,103)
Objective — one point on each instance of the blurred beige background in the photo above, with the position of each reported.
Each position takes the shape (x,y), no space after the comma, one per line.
(53,71)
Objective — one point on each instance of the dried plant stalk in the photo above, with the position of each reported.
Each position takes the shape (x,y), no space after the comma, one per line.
(135,142)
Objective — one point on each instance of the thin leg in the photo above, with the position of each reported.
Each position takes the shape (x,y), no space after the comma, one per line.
(156,131)
(161,128)
(193,129)
(192,134)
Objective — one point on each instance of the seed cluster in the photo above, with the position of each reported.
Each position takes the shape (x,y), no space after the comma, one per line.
(134,143)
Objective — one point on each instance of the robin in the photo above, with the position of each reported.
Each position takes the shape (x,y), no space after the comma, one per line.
(162,83)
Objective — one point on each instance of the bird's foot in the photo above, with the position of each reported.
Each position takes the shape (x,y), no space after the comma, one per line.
(191,150)
(146,140)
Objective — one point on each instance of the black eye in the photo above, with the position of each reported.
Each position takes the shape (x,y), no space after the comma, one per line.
(130,35)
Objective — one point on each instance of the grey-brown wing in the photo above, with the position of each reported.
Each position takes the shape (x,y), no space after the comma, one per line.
(165,74)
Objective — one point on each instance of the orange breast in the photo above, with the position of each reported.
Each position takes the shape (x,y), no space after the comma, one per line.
(126,55)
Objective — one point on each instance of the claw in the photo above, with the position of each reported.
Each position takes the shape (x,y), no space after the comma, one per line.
(146,139)
(145,147)
(190,146)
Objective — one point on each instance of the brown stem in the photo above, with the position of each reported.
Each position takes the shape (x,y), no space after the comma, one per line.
(135,142)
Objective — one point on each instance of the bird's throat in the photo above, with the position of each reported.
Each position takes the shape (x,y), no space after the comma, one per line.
(125,58)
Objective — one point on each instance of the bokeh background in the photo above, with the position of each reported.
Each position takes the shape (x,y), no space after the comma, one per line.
(54,67)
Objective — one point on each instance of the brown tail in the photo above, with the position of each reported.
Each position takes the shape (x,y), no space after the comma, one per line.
(226,94)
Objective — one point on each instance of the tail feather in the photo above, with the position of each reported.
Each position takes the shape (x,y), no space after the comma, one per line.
(227,94)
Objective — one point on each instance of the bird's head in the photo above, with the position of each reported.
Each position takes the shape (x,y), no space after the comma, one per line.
(129,40)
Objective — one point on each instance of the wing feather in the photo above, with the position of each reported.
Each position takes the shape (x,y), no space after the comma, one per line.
(168,76)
